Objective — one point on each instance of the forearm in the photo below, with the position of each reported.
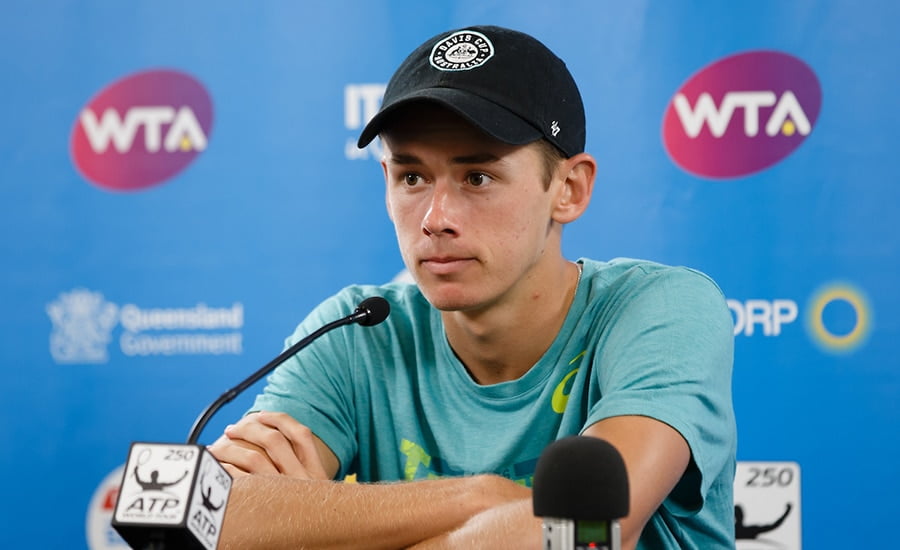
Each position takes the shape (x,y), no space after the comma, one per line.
(279,512)
(510,525)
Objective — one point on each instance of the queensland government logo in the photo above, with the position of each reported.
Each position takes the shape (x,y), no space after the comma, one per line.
(84,322)
(741,114)
(142,130)
(461,51)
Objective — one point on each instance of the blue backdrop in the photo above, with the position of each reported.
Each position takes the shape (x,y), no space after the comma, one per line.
(180,188)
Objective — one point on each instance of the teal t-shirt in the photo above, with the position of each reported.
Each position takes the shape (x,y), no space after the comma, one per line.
(394,403)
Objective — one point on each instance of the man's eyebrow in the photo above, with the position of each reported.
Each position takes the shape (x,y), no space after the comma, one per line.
(478,158)
(403,158)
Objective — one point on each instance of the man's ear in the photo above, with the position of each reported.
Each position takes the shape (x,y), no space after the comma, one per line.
(578,173)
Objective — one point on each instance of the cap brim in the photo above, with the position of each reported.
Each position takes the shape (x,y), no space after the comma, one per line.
(494,120)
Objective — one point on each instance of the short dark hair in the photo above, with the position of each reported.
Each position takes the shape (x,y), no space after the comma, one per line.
(551,156)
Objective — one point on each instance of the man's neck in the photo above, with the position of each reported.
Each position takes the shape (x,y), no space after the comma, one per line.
(502,343)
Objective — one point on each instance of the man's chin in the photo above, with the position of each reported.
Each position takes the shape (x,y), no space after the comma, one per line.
(447,299)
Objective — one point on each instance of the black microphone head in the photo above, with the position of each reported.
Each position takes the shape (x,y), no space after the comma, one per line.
(376,310)
(580,478)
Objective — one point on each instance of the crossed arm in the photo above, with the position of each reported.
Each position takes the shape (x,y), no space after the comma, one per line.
(290,501)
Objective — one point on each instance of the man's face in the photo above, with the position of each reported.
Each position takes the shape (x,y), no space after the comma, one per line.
(472,214)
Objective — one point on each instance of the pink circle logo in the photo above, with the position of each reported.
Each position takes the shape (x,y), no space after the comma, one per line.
(142,130)
(741,114)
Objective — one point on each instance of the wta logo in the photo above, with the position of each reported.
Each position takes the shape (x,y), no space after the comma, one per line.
(741,114)
(142,130)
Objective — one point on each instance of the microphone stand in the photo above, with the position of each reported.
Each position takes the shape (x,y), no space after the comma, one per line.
(185,517)
(229,395)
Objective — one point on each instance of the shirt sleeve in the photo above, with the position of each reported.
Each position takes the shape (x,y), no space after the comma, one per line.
(667,353)
(315,386)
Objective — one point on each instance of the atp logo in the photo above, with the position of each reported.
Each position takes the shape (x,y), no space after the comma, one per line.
(741,114)
(142,130)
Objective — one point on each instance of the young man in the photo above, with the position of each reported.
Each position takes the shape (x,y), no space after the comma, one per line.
(501,346)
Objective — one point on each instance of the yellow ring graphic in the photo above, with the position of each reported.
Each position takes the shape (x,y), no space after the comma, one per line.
(860,306)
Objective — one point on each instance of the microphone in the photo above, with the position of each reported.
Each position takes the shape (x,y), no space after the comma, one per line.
(581,491)
(174,495)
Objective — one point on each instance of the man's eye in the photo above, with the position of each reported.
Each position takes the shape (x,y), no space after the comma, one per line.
(412,179)
(477,179)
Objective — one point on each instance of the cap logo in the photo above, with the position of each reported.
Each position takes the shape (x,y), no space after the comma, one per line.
(461,51)
(554,128)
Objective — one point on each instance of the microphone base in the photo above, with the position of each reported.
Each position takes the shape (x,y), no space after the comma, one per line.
(171,496)
(167,538)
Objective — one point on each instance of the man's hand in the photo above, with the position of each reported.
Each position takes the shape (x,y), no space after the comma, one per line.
(274,443)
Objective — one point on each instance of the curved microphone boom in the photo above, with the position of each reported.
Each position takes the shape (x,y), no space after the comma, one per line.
(369,312)
(175,496)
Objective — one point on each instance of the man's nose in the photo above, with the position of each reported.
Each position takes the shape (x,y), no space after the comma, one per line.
(441,215)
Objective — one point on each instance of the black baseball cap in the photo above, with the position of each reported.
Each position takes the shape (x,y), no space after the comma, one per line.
(505,82)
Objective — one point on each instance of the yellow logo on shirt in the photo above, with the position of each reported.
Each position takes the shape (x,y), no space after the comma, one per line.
(560,396)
